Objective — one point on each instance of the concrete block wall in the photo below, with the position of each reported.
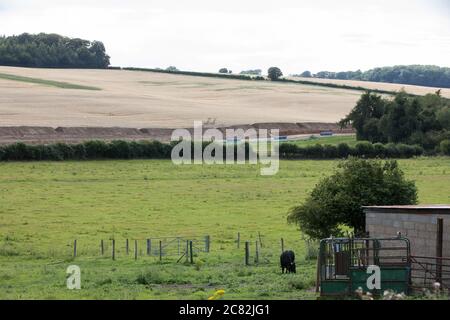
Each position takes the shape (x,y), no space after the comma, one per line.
(420,229)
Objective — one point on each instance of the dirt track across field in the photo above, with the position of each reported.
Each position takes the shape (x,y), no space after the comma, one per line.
(45,135)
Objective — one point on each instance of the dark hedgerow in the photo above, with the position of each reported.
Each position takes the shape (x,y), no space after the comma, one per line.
(118,149)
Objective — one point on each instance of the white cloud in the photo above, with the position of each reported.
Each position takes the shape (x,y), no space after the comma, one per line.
(205,35)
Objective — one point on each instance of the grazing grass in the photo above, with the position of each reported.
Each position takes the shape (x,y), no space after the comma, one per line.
(45,206)
(332,140)
(57,84)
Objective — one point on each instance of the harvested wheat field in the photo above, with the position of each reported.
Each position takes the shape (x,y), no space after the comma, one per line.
(69,97)
(419,90)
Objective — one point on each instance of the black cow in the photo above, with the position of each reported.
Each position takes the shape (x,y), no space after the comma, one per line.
(287,261)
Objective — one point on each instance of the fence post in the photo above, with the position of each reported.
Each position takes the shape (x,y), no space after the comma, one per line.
(282,245)
(127,247)
(191,252)
(187,251)
(102,247)
(135,250)
(439,249)
(247,253)
(260,240)
(114,249)
(256,252)
(238,240)
(160,250)
(75,248)
(148,247)
(207,243)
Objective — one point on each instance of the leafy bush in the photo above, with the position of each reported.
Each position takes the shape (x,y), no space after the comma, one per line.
(337,200)
(445,147)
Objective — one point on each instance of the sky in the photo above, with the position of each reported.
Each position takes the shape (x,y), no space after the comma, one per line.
(205,35)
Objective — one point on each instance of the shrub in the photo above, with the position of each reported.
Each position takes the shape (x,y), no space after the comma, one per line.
(96,149)
(364,149)
(379,150)
(337,200)
(445,147)
(330,152)
(343,150)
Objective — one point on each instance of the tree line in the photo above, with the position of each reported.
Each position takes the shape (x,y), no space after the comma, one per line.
(422,75)
(52,51)
(423,121)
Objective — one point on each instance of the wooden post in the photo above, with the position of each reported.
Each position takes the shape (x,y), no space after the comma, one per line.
(256,252)
(191,252)
(75,248)
(127,247)
(238,240)
(207,243)
(439,249)
(160,250)
(148,247)
(114,249)
(260,241)
(135,250)
(318,273)
(102,247)
(282,245)
(187,251)
(247,253)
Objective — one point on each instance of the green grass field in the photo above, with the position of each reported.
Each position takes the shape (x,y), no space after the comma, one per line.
(44,206)
(333,140)
(50,83)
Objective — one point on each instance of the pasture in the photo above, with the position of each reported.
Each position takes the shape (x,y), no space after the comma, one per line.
(44,206)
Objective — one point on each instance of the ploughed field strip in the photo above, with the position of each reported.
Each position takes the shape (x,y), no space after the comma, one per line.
(39,135)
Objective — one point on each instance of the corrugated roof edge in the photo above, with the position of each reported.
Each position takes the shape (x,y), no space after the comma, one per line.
(418,209)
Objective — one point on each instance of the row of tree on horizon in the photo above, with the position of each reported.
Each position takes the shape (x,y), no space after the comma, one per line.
(55,51)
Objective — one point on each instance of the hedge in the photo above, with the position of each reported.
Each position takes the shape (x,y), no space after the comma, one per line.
(118,149)
(343,150)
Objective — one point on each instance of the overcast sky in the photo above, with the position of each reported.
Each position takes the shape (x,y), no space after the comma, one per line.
(205,35)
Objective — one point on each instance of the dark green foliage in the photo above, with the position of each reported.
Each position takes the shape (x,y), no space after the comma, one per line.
(412,120)
(223,70)
(95,150)
(432,76)
(362,149)
(445,147)
(343,150)
(274,73)
(51,51)
(337,200)
(118,149)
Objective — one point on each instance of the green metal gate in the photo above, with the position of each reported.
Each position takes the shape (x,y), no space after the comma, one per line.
(343,263)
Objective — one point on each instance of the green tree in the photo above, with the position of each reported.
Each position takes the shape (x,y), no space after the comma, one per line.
(274,73)
(365,115)
(52,50)
(337,200)
(223,70)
